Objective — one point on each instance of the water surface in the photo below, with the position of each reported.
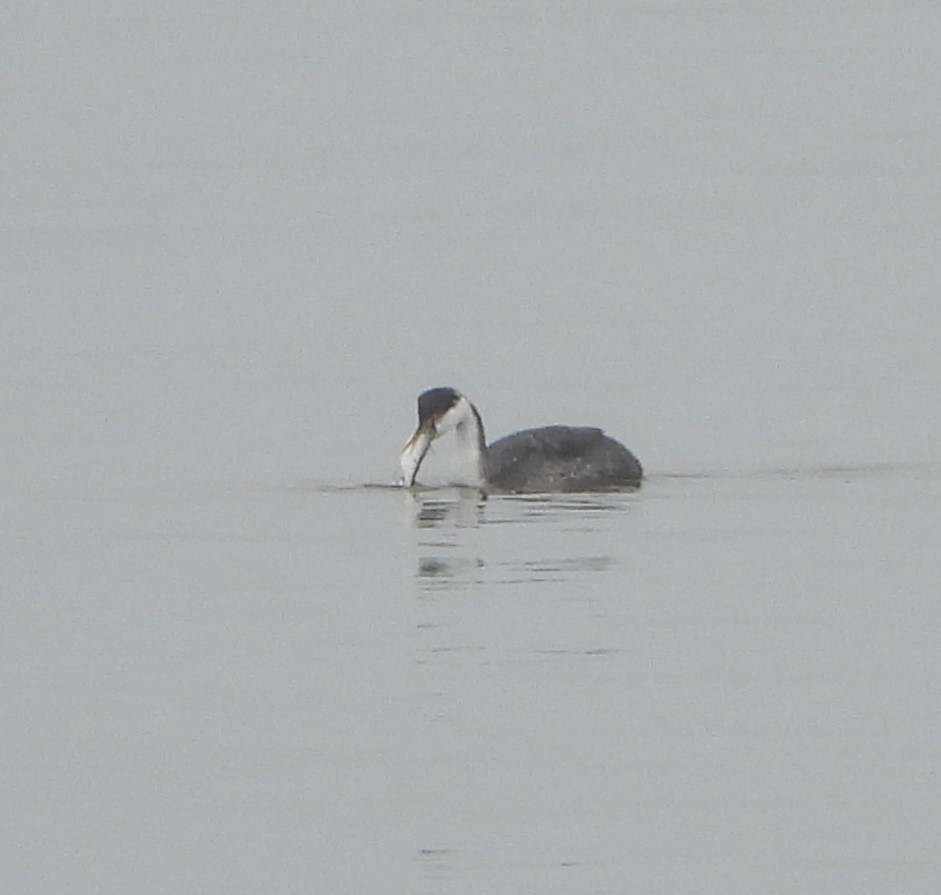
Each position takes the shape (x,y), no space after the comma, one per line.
(721,680)
(237,243)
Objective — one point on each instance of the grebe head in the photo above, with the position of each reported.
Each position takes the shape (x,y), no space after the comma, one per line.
(440,410)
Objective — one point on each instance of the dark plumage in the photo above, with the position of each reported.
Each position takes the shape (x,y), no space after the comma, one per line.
(560,458)
(436,402)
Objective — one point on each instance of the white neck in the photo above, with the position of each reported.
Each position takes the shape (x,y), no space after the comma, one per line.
(468,428)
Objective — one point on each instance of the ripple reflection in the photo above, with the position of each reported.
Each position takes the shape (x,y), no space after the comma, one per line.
(463,541)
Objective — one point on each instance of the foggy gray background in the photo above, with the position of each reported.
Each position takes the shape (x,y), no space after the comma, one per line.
(231,236)
(236,243)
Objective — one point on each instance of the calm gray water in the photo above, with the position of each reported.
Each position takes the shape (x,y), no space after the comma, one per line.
(235,246)
(717,684)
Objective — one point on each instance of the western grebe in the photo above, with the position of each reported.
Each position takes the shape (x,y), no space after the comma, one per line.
(553,458)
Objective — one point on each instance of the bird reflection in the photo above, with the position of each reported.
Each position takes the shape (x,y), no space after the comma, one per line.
(435,573)
(448,552)
(462,506)
(458,527)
